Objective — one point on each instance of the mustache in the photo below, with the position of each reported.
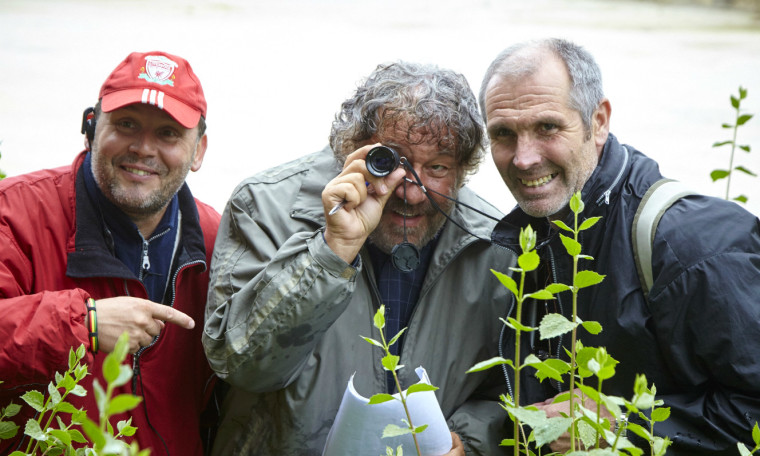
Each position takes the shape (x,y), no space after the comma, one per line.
(396,204)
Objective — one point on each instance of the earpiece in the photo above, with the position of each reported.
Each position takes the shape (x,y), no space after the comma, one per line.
(88,126)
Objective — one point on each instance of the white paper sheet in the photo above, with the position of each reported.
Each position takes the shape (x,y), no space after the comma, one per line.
(358,427)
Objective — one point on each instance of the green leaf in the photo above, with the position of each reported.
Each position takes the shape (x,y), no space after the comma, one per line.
(741,199)
(79,390)
(745,171)
(420,388)
(572,246)
(576,203)
(722,143)
(380,398)
(111,368)
(742,92)
(660,414)
(743,119)
(55,396)
(33,430)
(639,430)
(76,436)
(530,416)
(517,326)
(543,370)
(35,399)
(562,225)
(756,434)
(745,148)
(372,341)
(123,403)
(592,327)
(72,358)
(100,395)
(588,223)
(727,125)
(719,174)
(11,410)
(395,338)
(63,436)
(65,407)
(419,429)
(552,429)
(506,281)
(125,374)
(587,278)
(541,294)
(393,430)
(555,288)
(81,351)
(379,320)
(553,325)
(125,427)
(735,102)
(527,239)
(489,363)
(390,362)
(8,430)
(743,451)
(528,261)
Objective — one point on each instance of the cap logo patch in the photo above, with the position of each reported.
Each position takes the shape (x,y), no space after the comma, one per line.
(158,69)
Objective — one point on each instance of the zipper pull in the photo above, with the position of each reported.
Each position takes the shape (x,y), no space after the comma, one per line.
(135,372)
(146,259)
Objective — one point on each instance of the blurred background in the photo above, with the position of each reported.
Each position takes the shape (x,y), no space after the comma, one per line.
(275,72)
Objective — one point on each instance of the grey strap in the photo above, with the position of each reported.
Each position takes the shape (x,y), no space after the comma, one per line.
(660,196)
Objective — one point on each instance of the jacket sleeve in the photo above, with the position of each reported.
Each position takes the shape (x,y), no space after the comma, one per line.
(708,325)
(276,287)
(37,330)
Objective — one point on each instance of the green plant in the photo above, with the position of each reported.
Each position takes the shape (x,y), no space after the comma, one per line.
(585,424)
(391,363)
(46,439)
(743,451)
(740,120)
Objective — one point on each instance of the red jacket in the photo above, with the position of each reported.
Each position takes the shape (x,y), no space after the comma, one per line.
(53,256)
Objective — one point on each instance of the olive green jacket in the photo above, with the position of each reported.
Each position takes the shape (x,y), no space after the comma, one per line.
(285,316)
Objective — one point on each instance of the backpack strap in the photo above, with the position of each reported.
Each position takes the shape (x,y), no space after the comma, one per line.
(660,196)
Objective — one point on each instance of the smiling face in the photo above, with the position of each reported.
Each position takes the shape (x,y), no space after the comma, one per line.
(538,143)
(438,170)
(141,157)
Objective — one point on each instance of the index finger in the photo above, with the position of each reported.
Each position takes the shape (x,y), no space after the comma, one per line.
(172,315)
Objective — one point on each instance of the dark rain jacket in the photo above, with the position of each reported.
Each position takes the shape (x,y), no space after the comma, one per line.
(697,338)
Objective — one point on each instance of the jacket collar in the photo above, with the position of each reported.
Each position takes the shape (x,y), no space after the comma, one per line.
(93,246)
(602,188)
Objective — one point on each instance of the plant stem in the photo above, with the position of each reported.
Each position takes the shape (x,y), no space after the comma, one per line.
(401,395)
(517,362)
(573,341)
(733,148)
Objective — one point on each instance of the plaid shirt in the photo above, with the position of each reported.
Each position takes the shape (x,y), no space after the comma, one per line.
(399,291)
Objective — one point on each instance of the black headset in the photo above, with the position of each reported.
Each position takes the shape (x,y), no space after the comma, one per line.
(88,125)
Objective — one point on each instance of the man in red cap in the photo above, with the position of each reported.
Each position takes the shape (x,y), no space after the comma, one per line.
(116,243)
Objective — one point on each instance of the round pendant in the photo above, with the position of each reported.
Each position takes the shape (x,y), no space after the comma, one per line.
(405,257)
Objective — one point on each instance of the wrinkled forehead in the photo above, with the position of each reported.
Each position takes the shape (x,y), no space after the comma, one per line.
(410,130)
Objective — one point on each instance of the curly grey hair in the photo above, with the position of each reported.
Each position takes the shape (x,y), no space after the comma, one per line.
(585,76)
(436,100)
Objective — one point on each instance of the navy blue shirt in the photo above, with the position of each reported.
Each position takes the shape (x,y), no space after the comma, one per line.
(149,259)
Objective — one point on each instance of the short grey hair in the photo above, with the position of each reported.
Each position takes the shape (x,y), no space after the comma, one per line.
(585,76)
(437,100)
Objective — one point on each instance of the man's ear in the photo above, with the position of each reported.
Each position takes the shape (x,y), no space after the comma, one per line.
(601,123)
(200,152)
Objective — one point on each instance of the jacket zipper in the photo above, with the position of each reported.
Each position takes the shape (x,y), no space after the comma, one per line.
(136,356)
(606,195)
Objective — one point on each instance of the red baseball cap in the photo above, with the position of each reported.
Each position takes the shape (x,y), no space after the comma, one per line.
(159,79)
